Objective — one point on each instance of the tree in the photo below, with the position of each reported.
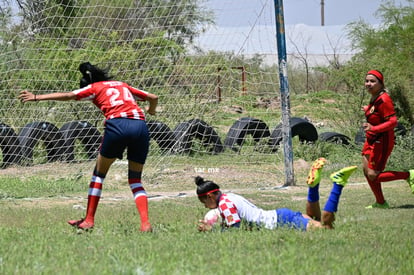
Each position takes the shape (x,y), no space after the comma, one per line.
(302,56)
(132,19)
(388,49)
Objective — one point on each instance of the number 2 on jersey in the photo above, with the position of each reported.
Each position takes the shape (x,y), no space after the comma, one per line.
(118,97)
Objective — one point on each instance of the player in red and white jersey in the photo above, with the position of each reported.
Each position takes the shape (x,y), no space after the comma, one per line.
(380,139)
(236,210)
(125,129)
(115,99)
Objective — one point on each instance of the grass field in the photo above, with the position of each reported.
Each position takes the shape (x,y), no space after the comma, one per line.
(35,238)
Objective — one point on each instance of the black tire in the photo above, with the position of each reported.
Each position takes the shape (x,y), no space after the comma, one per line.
(44,132)
(185,132)
(335,138)
(400,130)
(86,133)
(299,127)
(10,146)
(162,134)
(245,126)
(360,136)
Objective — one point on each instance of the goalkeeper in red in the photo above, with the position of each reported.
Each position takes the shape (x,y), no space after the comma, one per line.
(125,129)
(380,139)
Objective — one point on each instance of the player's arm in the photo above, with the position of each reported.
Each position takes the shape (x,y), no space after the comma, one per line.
(389,124)
(29,96)
(144,95)
(153,101)
(390,118)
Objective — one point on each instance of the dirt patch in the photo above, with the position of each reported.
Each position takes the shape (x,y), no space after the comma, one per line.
(296,193)
(169,184)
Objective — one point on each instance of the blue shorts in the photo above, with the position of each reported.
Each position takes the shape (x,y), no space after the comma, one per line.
(292,219)
(124,133)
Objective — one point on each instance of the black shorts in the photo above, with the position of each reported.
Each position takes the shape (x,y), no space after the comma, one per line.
(125,133)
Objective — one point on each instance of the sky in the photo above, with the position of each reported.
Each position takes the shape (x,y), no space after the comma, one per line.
(247,26)
(337,12)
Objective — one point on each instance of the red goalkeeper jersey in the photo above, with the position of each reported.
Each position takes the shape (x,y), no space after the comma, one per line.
(380,110)
(377,113)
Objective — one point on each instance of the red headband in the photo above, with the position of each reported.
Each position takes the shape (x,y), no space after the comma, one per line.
(206,193)
(377,74)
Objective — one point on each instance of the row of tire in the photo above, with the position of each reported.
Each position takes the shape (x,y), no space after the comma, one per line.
(60,142)
(180,139)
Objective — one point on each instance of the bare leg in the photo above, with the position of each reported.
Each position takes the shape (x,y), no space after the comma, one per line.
(103,164)
(313,225)
(313,210)
(328,219)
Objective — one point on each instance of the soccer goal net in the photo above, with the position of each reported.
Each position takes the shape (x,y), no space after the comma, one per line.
(213,65)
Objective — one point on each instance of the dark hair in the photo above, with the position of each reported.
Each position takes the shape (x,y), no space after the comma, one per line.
(92,74)
(205,186)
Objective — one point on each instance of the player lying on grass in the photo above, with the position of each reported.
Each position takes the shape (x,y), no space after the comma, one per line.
(235,209)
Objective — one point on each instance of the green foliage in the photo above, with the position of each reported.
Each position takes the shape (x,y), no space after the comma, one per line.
(131,19)
(340,154)
(388,49)
(401,157)
(402,105)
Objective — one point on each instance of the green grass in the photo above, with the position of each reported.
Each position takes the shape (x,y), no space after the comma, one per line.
(32,187)
(35,238)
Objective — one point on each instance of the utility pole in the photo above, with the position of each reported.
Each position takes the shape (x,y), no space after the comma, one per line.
(284,93)
(322,12)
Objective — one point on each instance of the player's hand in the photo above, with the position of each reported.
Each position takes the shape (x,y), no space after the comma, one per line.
(150,111)
(204,226)
(366,126)
(26,96)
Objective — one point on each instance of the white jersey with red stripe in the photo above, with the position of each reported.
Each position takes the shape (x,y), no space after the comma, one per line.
(116,99)
(234,208)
